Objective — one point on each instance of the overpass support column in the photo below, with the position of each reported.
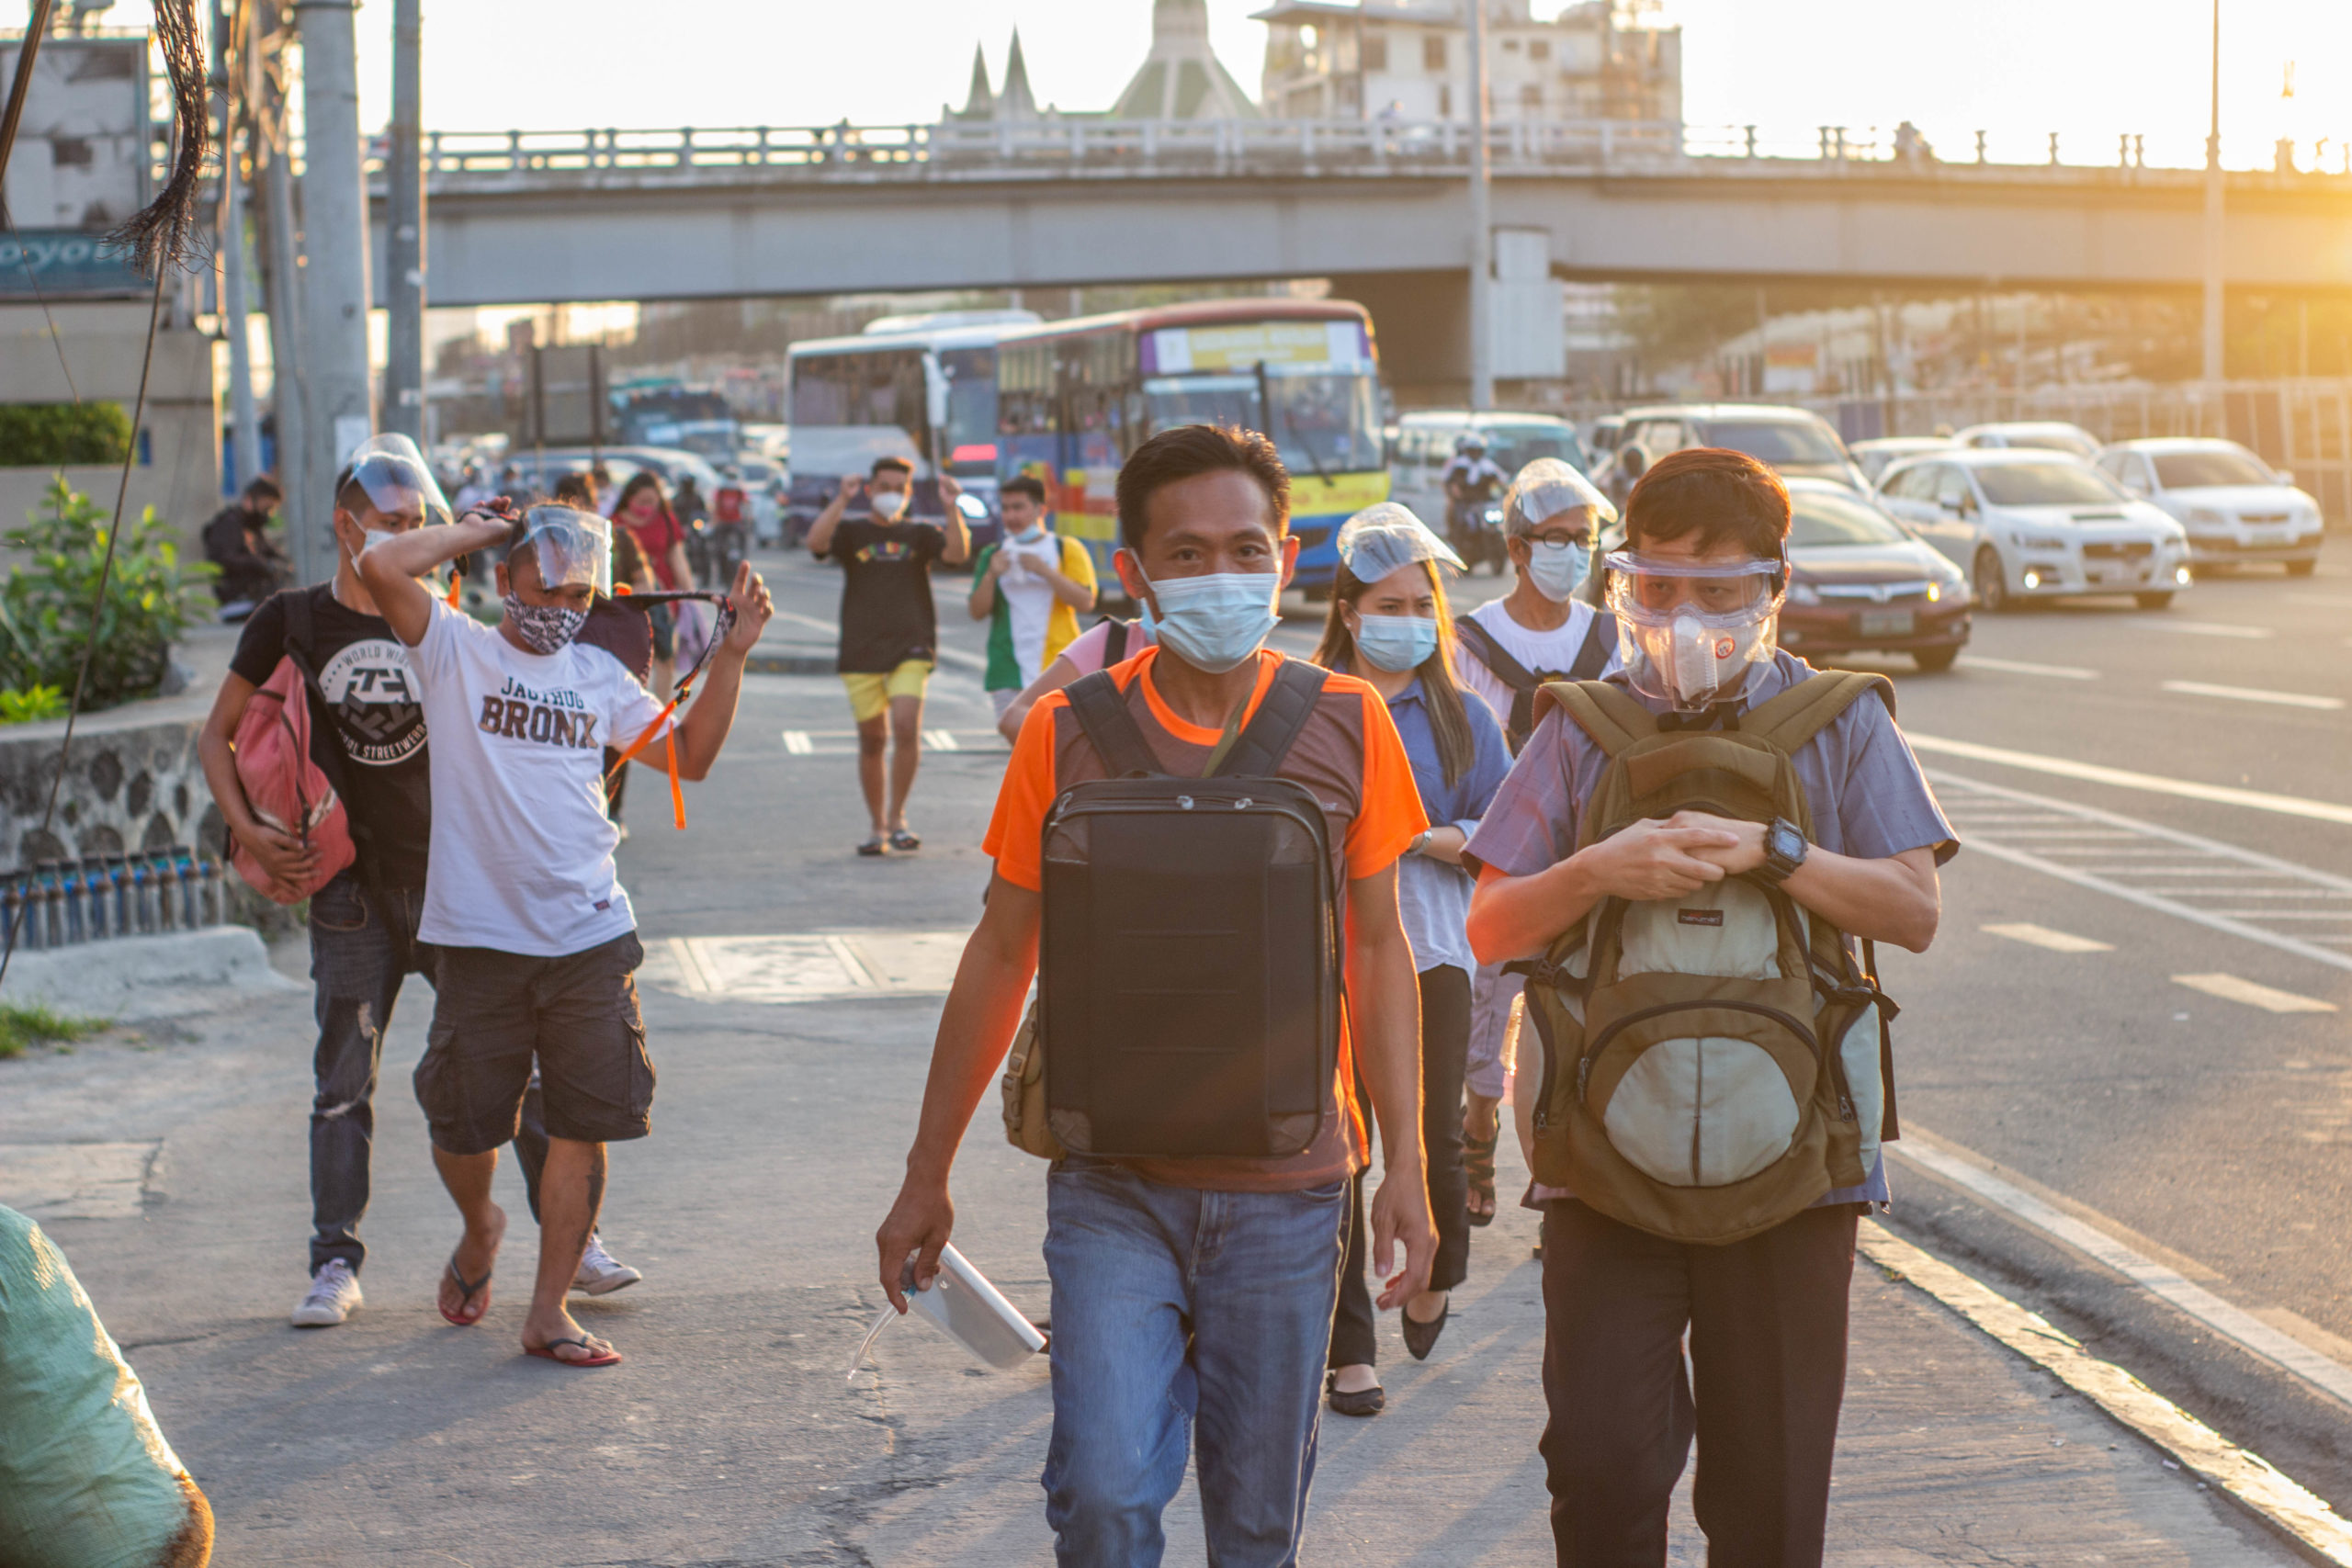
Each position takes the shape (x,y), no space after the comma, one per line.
(334,275)
(1421,321)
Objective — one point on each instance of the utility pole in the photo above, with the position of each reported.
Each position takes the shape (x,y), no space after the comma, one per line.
(2213,215)
(404,232)
(335,247)
(245,439)
(1482,232)
(290,372)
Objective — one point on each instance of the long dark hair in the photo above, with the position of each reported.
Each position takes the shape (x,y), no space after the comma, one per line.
(1441,688)
(644,478)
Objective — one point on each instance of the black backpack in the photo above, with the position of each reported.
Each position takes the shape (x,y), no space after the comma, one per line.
(1189,984)
(1592,657)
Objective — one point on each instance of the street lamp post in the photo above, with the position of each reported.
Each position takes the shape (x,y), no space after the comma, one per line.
(1482,238)
(2213,237)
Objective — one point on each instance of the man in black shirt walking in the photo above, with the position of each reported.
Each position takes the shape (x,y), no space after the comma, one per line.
(889,628)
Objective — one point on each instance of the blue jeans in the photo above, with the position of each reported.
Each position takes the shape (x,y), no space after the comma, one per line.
(1175,1308)
(363,945)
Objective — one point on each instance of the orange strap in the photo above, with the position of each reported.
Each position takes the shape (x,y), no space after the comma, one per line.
(456,584)
(677,794)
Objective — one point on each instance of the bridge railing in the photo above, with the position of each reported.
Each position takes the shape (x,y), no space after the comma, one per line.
(1063,146)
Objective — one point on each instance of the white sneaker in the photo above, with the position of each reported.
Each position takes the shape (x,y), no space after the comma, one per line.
(600,1272)
(333,1296)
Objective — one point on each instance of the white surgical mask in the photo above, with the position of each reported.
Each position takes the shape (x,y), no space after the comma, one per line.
(1396,643)
(370,538)
(1213,622)
(1556,569)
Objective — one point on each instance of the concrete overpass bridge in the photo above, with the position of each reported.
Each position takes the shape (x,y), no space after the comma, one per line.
(1380,207)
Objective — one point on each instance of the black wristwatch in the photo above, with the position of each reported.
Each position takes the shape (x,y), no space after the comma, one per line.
(1784,849)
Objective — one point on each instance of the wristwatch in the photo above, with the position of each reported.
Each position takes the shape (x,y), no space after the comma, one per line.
(1784,849)
(1420,842)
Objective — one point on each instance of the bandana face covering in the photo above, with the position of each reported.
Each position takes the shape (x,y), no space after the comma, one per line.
(544,628)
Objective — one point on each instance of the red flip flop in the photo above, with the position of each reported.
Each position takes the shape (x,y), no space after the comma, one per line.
(546,1353)
(471,1289)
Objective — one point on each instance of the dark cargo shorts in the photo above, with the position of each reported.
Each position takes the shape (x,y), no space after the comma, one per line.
(494,1012)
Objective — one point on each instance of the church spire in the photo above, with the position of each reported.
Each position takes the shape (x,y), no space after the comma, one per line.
(981,100)
(1017,102)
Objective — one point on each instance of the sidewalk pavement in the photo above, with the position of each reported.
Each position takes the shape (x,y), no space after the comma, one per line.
(171,1170)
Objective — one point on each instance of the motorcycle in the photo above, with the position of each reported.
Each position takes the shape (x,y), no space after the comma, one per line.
(1474,528)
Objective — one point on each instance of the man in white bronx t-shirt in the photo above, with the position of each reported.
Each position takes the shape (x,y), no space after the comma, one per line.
(537,943)
(1508,648)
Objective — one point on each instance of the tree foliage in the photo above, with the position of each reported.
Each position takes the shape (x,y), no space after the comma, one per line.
(45,607)
(47,434)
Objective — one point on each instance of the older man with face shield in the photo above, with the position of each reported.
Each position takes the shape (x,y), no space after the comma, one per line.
(535,938)
(1697,592)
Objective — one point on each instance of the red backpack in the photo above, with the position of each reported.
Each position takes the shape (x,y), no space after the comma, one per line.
(285,788)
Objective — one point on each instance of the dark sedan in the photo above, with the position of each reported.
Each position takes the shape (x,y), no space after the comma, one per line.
(1859,581)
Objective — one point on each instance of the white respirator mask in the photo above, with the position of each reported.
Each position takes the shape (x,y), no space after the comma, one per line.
(1688,631)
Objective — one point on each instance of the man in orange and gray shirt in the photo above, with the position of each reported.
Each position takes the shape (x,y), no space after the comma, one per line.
(1196,1291)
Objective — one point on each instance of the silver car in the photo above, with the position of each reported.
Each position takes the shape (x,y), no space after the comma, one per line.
(2236,508)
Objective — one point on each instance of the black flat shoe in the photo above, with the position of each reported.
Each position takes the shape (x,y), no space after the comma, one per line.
(1421,1337)
(1364,1401)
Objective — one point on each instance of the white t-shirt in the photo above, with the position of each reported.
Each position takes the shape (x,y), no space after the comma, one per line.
(1029,600)
(1555,649)
(522,857)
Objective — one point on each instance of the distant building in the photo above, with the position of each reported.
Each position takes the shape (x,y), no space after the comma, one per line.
(982,103)
(1181,77)
(1410,60)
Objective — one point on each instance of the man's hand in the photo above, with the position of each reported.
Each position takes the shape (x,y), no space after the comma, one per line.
(754,607)
(852,488)
(949,492)
(1652,859)
(1400,1211)
(286,860)
(1747,851)
(918,1224)
(1002,561)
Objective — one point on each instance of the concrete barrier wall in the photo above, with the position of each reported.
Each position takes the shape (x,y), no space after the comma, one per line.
(133,782)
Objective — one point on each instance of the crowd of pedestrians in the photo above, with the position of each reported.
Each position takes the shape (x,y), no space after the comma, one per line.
(1601,823)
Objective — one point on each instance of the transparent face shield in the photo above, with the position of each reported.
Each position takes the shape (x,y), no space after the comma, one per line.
(571,547)
(399,482)
(1688,630)
(1384,537)
(1549,488)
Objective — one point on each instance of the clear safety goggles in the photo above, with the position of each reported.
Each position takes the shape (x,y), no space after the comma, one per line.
(398,480)
(1652,591)
(1549,488)
(1387,536)
(573,547)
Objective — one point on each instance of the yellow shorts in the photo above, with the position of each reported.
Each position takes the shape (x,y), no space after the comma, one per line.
(869,695)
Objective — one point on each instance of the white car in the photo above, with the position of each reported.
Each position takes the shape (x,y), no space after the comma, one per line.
(2042,434)
(2236,507)
(1875,455)
(2038,525)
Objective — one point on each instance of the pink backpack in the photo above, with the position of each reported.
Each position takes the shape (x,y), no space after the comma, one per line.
(286,789)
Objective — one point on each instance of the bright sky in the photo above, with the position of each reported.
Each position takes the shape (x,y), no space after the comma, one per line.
(2089,69)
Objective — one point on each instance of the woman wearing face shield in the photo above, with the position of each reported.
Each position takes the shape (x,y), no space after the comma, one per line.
(1389,627)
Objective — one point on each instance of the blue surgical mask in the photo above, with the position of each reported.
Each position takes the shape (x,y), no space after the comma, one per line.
(1556,569)
(1396,643)
(1213,622)
(1034,533)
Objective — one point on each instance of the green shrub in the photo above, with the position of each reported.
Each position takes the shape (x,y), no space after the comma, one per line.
(44,435)
(45,623)
(36,1025)
(32,703)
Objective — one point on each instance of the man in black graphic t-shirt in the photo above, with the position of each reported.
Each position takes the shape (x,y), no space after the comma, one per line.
(890,628)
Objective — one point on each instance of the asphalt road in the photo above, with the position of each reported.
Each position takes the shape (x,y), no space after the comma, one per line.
(2203,1134)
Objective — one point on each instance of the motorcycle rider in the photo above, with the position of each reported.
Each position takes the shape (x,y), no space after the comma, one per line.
(1472,480)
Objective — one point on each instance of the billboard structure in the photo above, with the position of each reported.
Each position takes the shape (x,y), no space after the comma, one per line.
(82,165)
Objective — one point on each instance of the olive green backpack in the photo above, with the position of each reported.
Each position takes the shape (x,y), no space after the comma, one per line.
(1714,1063)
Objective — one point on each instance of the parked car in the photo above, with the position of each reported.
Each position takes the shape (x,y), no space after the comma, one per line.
(2236,508)
(1797,442)
(1424,445)
(1603,435)
(1875,457)
(1858,581)
(2042,434)
(2038,525)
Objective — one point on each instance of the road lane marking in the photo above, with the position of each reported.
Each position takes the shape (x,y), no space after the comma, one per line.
(807,967)
(2231,988)
(2208,629)
(2021,666)
(2240,1475)
(2123,778)
(693,977)
(2242,864)
(799,744)
(2319,601)
(2254,694)
(2042,936)
(2164,1282)
(940,740)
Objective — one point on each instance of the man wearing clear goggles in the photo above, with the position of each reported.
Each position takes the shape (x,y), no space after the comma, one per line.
(1697,591)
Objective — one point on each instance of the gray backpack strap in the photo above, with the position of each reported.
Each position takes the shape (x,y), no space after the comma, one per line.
(1267,739)
(1111,729)
(1523,682)
(1599,642)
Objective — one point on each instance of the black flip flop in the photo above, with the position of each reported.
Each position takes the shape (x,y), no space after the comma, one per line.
(1478,1164)
(901,838)
(472,1290)
(873,846)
